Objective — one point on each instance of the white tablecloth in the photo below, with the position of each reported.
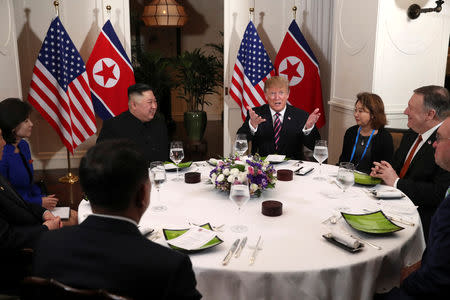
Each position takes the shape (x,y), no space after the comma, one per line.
(295,262)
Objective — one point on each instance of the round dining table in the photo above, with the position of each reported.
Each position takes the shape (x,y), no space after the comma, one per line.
(294,260)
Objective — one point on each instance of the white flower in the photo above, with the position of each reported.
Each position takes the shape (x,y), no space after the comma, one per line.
(242,177)
(226,172)
(253,187)
(220,178)
(234,171)
(213,177)
(231,178)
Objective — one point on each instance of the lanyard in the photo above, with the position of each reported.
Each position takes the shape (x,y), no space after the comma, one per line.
(356,142)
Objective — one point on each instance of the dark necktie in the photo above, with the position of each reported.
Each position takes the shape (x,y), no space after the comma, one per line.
(410,156)
(277,129)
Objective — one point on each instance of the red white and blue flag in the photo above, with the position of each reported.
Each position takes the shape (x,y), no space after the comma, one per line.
(253,67)
(296,61)
(110,74)
(59,88)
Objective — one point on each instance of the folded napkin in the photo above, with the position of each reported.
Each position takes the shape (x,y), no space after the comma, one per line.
(345,239)
(389,194)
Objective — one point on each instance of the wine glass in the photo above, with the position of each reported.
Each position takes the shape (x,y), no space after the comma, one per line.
(176,155)
(240,144)
(345,176)
(157,174)
(320,154)
(239,194)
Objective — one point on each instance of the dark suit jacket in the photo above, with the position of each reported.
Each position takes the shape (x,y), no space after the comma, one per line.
(151,137)
(432,279)
(113,255)
(20,222)
(20,227)
(291,139)
(381,148)
(425,183)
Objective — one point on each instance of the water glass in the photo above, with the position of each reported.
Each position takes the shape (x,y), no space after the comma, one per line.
(176,155)
(240,144)
(239,194)
(157,174)
(320,154)
(345,176)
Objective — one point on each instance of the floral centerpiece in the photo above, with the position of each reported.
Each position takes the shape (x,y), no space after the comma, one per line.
(261,174)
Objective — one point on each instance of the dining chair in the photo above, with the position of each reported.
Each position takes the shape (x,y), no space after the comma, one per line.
(38,288)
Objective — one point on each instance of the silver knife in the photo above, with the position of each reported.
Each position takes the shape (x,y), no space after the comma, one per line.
(252,258)
(230,252)
(241,246)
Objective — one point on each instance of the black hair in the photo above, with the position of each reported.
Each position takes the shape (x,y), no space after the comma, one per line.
(437,98)
(13,111)
(111,174)
(138,89)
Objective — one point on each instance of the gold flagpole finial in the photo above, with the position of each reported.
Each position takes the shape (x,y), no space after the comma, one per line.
(56,4)
(294,10)
(251,13)
(108,8)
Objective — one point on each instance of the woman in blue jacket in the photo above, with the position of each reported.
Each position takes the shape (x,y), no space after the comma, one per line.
(16,164)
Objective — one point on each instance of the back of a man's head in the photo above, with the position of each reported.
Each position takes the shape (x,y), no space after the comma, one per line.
(111,174)
(137,90)
(437,98)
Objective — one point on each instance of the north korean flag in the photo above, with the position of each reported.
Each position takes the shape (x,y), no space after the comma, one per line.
(296,61)
(110,74)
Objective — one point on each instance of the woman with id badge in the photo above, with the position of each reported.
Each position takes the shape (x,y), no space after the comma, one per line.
(368,140)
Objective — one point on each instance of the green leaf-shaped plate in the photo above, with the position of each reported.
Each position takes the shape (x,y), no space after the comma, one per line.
(173,233)
(365,179)
(171,167)
(376,222)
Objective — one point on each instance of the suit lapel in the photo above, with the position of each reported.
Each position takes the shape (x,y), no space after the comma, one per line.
(7,190)
(426,147)
(287,120)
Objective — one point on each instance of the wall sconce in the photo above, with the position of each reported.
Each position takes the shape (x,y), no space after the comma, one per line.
(414,10)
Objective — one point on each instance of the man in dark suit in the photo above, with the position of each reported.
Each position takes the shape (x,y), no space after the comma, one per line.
(277,127)
(21,223)
(141,124)
(414,170)
(107,250)
(432,278)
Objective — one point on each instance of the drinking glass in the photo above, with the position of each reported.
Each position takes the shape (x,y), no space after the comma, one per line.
(320,154)
(176,155)
(157,174)
(240,144)
(239,194)
(345,176)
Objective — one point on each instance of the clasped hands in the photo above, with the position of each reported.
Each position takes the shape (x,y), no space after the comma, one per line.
(256,119)
(51,221)
(384,171)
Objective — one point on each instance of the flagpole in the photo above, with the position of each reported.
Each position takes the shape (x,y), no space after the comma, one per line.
(294,11)
(108,11)
(251,13)
(56,4)
(69,178)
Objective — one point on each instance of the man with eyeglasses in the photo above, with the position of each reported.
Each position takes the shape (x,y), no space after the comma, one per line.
(277,127)
(414,170)
(431,280)
(140,124)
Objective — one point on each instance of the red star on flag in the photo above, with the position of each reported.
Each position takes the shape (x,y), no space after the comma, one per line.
(106,72)
(291,70)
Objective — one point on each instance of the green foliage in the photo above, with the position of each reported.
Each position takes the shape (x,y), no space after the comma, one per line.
(198,74)
(152,68)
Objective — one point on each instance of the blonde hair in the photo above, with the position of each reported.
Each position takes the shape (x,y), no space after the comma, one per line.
(276,81)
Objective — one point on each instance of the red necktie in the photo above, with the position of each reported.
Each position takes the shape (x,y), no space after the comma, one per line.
(277,129)
(410,156)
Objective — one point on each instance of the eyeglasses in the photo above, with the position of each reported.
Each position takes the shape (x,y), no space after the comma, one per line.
(439,138)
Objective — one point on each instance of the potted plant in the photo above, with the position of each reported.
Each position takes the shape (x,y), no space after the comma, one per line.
(199,75)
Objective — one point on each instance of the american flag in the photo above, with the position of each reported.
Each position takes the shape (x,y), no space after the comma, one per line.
(59,88)
(253,67)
